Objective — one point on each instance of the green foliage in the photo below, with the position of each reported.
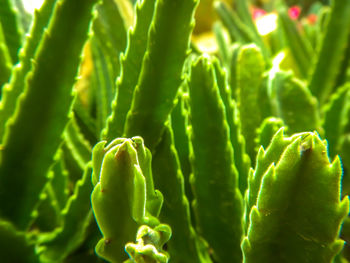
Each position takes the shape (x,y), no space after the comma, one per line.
(48,86)
(213,169)
(126,137)
(284,208)
(160,76)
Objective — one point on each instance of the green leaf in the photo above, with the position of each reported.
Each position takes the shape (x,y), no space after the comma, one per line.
(179,124)
(245,15)
(111,32)
(263,161)
(5,60)
(223,44)
(295,104)
(76,217)
(344,152)
(76,143)
(42,111)
(16,246)
(297,42)
(160,77)
(241,159)
(335,118)
(131,62)
(267,130)
(342,76)
(234,51)
(154,198)
(184,245)
(119,197)
(15,87)
(108,41)
(46,216)
(236,28)
(250,69)
(218,201)
(59,182)
(11,28)
(283,223)
(334,42)
(102,84)
(149,246)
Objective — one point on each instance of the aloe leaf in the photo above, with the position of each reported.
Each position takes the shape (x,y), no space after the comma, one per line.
(149,246)
(266,102)
(223,44)
(267,130)
(11,28)
(154,198)
(103,86)
(342,76)
(119,197)
(245,15)
(110,30)
(59,182)
(131,62)
(214,172)
(241,159)
(179,124)
(299,45)
(5,60)
(335,118)
(42,112)
(76,143)
(85,121)
(76,217)
(250,69)
(160,78)
(234,51)
(108,41)
(15,87)
(263,160)
(283,220)
(344,152)
(236,28)
(184,245)
(295,104)
(86,251)
(323,77)
(16,246)
(343,257)
(46,216)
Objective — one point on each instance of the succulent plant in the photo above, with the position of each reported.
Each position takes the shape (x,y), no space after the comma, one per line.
(156,131)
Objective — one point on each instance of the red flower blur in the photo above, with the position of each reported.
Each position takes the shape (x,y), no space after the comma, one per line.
(294,12)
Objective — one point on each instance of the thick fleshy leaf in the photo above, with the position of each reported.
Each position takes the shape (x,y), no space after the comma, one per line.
(218,201)
(334,42)
(131,62)
(283,219)
(42,111)
(250,69)
(335,118)
(149,246)
(121,199)
(16,85)
(185,244)
(161,73)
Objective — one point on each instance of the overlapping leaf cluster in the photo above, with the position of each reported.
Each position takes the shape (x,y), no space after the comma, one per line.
(124,139)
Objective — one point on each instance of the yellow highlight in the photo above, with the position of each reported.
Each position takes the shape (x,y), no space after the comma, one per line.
(31,5)
(266,23)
